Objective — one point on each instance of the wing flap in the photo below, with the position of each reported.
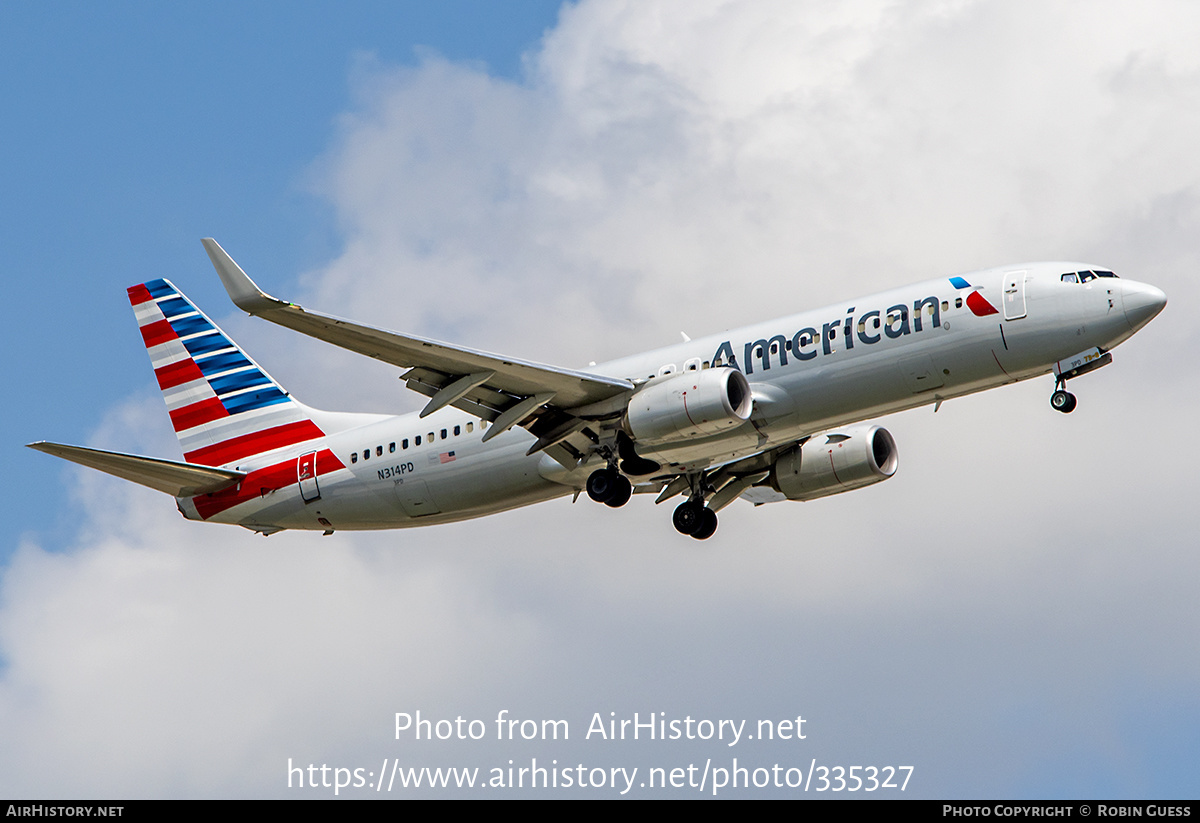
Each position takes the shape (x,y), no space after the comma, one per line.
(174,478)
(429,382)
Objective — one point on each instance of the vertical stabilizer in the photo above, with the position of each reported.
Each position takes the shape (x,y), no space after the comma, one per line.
(223,406)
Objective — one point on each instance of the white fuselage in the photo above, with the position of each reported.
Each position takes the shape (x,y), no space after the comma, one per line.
(809,372)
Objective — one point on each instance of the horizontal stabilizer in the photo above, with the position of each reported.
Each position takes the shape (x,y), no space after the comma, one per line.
(176,479)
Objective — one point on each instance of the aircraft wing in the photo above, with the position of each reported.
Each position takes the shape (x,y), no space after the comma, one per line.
(502,390)
(176,479)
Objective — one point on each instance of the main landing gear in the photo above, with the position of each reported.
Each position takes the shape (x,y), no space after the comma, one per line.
(695,519)
(1062,400)
(610,487)
(692,517)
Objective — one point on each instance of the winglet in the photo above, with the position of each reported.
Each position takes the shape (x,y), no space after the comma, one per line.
(243,291)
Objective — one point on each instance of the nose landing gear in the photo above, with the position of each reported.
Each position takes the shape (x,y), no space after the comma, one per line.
(1062,400)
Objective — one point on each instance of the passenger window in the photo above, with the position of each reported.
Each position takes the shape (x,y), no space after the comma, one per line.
(366,454)
(379,451)
(443,434)
(391,448)
(482,425)
(457,431)
(354,457)
(945,306)
(470,428)
(417,440)
(404,443)
(431,437)
(958,302)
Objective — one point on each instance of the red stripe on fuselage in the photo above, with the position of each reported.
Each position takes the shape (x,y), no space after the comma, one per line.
(255,443)
(159,331)
(139,294)
(198,413)
(178,373)
(261,482)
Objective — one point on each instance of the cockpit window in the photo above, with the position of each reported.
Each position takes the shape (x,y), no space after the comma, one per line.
(1084,276)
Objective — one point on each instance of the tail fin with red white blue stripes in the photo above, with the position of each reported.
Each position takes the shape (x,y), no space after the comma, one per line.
(223,406)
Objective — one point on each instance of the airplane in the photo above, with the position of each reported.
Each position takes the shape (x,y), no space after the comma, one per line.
(772,412)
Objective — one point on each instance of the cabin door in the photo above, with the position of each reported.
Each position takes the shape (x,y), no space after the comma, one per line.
(1014,295)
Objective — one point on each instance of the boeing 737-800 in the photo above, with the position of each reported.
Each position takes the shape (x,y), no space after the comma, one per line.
(768,413)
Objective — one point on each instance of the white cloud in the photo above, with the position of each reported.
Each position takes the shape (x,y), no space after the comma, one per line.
(1020,583)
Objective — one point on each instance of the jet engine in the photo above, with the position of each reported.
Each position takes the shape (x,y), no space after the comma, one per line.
(835,462)
(690,404)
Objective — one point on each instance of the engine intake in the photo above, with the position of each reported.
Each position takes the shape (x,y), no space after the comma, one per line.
(835,462)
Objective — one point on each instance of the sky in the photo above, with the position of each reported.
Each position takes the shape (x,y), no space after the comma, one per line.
(1011,616)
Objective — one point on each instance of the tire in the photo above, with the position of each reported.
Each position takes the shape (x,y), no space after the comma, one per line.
(1063,401)
(622,491)
(601,485)
(687,517)
(708,524)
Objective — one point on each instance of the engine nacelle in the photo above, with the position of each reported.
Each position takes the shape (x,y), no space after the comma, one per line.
(835,462)
(690,404)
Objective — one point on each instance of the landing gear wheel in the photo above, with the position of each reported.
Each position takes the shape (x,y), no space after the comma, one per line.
(622,491)
(1063,401)
(688,517)
(602,484)
(708,524)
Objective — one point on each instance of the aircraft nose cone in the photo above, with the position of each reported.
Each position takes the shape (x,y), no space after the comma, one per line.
(1142,303)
